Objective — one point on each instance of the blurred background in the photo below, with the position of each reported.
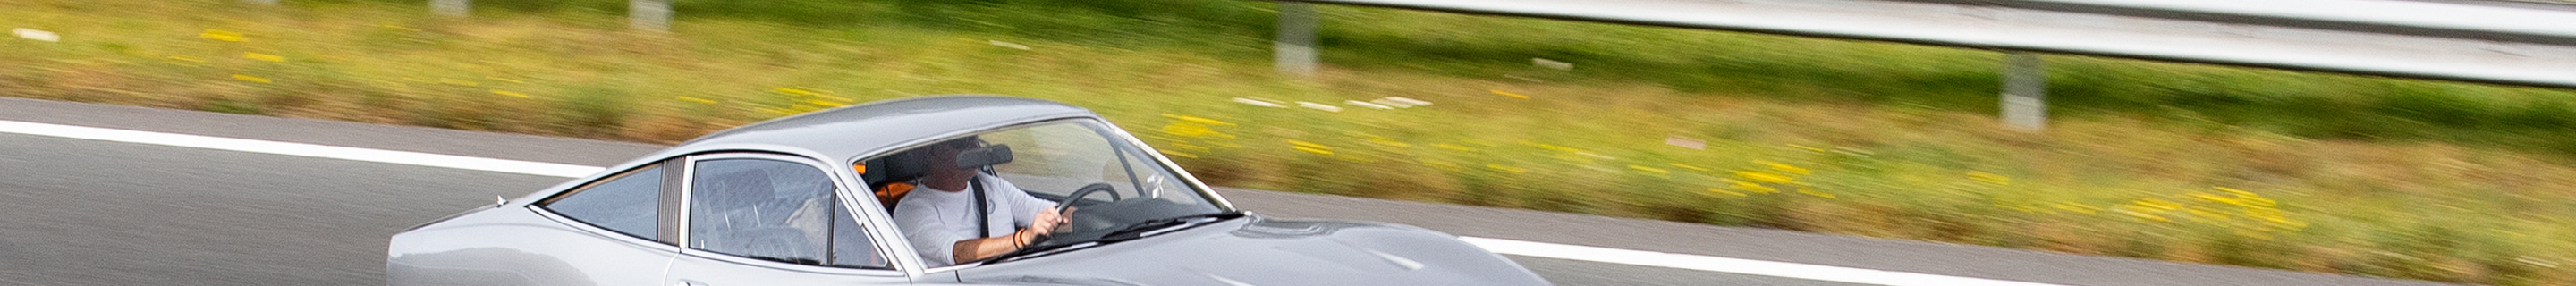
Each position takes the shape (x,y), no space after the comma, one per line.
(2373,176)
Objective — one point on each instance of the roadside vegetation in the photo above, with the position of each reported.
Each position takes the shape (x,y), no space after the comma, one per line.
(2326,173)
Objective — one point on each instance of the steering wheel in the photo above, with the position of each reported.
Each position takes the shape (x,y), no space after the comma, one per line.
(1086,190)
(1076,224)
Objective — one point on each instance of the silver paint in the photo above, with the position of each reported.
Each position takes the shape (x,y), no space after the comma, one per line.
(518,244)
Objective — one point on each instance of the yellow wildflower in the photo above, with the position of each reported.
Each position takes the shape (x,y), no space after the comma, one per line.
(1765,177)
(1725,192)
(1650,170)
(1785,167)
(2215,198)
(794,91)
(2142,215)
(1751,186)
(2259,202)
(221,35)
(1196,119)
(1813,192)
(1990,178)
(264,57)
(250,78)
(1187,130)
(2158,204)
(2077,208)
(1316,150)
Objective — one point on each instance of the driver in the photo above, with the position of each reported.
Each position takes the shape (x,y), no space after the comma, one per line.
(941,224)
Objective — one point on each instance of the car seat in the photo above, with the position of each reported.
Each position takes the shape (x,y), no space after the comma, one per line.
(745,217)
(891,176)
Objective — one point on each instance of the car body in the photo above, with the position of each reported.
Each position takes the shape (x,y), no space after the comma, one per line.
(787,202)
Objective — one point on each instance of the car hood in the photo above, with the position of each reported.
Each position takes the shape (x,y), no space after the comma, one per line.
(1257,251)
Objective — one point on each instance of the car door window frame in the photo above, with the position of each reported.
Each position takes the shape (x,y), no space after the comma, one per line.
(841,192)
(663,226)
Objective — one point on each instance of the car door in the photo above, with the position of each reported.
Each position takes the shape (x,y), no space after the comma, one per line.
(764,219)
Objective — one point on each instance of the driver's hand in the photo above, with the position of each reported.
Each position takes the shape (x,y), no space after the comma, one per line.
(1046,222)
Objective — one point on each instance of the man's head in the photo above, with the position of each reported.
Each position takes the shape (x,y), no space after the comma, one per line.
(943,173)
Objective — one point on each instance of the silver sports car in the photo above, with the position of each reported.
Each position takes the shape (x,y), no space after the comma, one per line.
(870,195)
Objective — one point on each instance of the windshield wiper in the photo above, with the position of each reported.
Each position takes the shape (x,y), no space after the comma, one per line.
(1137,230)
(1130,232)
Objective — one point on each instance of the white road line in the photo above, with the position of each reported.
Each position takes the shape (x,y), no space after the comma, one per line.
(1729,265)
(1503,246)
(299,149)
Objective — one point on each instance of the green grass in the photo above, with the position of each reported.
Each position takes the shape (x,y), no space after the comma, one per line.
(2328,173)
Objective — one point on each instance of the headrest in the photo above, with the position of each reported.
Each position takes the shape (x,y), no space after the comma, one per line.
(898,167)
(737,188)
(912,164)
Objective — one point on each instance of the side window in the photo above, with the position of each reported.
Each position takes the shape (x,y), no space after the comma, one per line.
(850,244)
(773,210)
(626,203)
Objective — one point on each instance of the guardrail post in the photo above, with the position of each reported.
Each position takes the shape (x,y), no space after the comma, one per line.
(451,7)
(1295,48)
(2025,98)
(649,15)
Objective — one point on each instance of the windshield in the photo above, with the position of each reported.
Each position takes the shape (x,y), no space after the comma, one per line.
(1052,161)
(1119,185)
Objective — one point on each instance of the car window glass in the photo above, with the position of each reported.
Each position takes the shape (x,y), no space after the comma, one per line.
(626,203)
(762,209)
(851,246)
(1057,159)
(1054,160)
(1159,183)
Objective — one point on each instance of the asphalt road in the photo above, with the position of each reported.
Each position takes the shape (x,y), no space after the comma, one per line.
(84,212)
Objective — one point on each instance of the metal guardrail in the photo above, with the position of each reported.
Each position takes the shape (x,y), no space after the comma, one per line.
(2521,44)
(2486,41)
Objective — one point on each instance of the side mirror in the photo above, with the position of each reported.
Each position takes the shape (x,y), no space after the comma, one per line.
(977,158)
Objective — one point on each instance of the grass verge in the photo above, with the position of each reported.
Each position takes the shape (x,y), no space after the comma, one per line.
(2358,175)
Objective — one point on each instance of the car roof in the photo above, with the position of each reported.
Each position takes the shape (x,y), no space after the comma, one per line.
(848,132)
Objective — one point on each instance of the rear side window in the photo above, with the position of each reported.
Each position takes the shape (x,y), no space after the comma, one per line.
(627,203)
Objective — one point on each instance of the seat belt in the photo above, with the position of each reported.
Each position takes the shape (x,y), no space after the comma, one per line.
(983,216)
